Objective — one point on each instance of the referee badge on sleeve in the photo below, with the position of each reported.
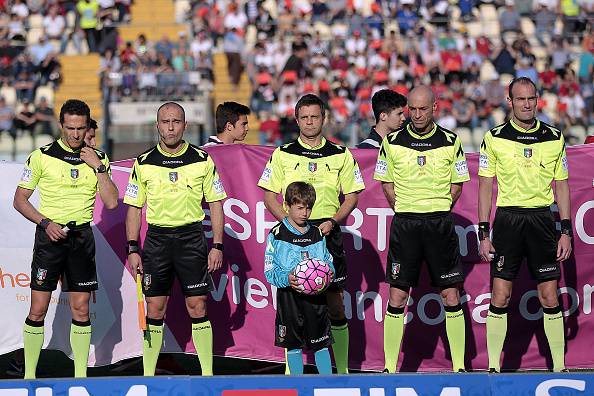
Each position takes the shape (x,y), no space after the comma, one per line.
(266,174)
(358,176)
(218,186)
(461,168)
(484,161)
(26,176)
(381,167)
(132,191)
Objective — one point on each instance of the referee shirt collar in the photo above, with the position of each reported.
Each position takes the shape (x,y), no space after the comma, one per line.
(180,152)
(411,131)
(307,146)
(66,147)
(522,130)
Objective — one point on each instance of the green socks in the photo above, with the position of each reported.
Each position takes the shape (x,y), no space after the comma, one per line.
(496,331)
(202,338)
(33,340)
(456,332)
(393,331)
(554,330)
(153,339)
(80,341)
(340,333)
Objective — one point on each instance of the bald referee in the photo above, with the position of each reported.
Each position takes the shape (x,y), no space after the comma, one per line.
(525,155)
(422,167)
(172,179)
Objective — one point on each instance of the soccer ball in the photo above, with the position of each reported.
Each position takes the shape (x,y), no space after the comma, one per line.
(313,276)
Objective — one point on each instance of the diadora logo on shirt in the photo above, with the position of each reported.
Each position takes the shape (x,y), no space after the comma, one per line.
(421,145)
(313,153)
(527,137)
(172,162)
(301,240)
(69,158)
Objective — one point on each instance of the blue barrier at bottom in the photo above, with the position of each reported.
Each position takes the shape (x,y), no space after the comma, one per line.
(312,385)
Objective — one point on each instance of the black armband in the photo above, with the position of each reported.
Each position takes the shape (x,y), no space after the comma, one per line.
(484,229)
(566,228)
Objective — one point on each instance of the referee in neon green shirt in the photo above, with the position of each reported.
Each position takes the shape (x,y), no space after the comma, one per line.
(172,179)
(68,175)
(525,155)
(332,170)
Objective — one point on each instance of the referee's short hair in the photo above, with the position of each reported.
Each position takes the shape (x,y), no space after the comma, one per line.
(521,81)
(229,112)
(310,100)
(300,193)
(75,107)
(386,100)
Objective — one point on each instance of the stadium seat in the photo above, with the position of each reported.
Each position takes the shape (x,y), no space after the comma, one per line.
(9,93)
(33,35)
(36,21)
(182,9)
(46,91)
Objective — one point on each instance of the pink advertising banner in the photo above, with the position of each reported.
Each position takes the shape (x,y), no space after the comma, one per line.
(242,306)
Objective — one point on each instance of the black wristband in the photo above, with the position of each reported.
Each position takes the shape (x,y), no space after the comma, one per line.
(334,222)
(566,228)
(132,247)
(483,230)
(218,246)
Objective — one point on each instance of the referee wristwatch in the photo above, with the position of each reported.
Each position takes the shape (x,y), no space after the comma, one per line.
(218,246)
(101,169)
(44,223)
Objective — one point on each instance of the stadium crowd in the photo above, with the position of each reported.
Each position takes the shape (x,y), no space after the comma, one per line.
(345,52)
(342,50)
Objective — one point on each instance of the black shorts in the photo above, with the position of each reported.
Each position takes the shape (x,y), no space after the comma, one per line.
(530,233)
(301,321)
(72,260)
(418,237)
(180,250)
(336,249)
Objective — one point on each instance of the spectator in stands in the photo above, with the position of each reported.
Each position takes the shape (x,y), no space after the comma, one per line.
(54,24)
(264,22)
(570,12)
(164,47)
(544,21)
(509,19)
(201,44)
(575,107)
(503,60)
(20,9)
(50,71)
(235,19)
(25,120)
(269,129)
(25,85)
(46,122)
(41,50)
(234,47)
(109,62)
(6,117)
(464,111)
(525,69)
(560,55)
(88,11)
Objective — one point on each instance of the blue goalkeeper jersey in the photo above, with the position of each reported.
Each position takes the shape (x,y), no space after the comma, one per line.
(286,247)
